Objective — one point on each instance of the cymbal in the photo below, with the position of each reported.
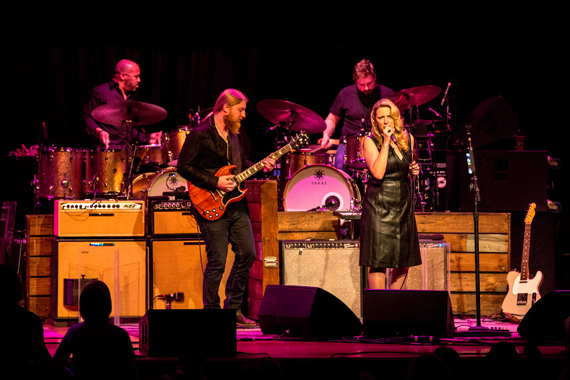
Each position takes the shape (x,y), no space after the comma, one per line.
(415,96)
(299,117)
(138,113)
(425,122)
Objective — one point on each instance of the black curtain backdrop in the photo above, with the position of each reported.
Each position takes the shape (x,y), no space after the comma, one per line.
(49,83)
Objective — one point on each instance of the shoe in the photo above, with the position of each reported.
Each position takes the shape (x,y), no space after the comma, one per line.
(242,321)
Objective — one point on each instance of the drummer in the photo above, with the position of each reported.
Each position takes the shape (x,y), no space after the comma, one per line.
(352,106)
(121,87)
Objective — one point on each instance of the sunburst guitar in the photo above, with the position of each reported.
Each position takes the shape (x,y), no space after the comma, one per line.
(523,291)
(212,204)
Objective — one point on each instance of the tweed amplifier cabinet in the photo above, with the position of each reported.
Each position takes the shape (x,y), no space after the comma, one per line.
(120,263)
(172,217)
(433,273)
(99,218)
(329,265)
(177,265)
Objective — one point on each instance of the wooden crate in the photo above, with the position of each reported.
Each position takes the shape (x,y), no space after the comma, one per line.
(494,257)
(262,200)
(39,248)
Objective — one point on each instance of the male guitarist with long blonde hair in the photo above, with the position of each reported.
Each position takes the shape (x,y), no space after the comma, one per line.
(212,145)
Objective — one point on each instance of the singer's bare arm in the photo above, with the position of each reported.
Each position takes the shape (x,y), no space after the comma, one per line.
(376,160)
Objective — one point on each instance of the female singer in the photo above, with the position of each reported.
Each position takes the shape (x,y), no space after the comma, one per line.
(388,232)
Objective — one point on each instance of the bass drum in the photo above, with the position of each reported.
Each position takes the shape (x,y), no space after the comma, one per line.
(156,184)
(320,187)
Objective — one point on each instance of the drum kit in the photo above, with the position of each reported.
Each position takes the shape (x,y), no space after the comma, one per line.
(307,179)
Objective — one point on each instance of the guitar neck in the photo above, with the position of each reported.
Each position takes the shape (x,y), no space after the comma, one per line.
(257,167)
(526,253)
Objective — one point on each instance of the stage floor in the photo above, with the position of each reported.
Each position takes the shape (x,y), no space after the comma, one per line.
(379,358)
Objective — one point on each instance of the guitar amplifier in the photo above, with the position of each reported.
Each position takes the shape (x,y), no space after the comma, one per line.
(168,217)
(99,218)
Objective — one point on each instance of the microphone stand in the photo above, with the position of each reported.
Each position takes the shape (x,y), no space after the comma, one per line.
(477,330)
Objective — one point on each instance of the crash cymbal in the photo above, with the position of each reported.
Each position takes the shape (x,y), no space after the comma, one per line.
(137,113)
(415,96)
(292,115)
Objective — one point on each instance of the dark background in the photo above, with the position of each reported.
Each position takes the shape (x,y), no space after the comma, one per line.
(49,83)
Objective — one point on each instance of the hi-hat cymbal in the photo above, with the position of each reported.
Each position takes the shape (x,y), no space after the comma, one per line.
(297,117)
(415,96)
(137,113)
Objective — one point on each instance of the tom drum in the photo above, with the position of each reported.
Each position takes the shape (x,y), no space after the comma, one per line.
(60,173)
(105,171)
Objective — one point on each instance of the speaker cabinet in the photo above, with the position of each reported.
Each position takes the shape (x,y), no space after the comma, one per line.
(177,265)
(307,312)
(433,273)
(330,265)
(191,333)
(401,313)
(121,264)
(546,319)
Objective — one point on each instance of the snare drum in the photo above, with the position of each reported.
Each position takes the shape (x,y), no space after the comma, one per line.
(320,186)
(156,184)
(105,171)
(150,154)
(61,173)
(354,156)
(172,144)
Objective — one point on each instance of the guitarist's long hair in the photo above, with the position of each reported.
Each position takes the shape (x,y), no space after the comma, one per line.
(230,97)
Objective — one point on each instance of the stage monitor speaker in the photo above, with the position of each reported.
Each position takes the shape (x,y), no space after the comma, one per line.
(177,265)
(307,313)
(508,181)
(545,320)
(491,121)
(119,263)
(330,265)
(164,333)
(401,313)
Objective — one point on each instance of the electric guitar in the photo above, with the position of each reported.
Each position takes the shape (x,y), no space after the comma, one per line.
(212,204)
(523,291)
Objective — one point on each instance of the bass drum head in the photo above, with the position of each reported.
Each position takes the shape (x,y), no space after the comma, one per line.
(318,187)
(156,184)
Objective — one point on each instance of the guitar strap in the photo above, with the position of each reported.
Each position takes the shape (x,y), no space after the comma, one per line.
(235,151)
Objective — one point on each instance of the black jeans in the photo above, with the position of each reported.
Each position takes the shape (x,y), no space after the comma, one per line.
(234,227)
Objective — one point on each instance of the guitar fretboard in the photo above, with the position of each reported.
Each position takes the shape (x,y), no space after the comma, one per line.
(257,167)
(525,254)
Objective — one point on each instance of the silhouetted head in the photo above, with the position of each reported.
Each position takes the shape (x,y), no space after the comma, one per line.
(95,302)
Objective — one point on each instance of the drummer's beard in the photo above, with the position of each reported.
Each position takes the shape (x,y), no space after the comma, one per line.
(368,99)
(232,124)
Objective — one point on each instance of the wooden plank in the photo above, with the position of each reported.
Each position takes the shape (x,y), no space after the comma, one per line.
(39,305)
(301,221)
(39,225)
(319,235)
(39,266)
(488,282)
(465,303)
(488,262)
(269,232)
(39,286)
(487,242)
(459,222)
(39,246)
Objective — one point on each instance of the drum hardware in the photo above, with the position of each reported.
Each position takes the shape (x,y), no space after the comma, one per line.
(129,115)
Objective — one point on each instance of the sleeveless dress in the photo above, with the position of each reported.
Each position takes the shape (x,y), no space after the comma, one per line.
(388,231)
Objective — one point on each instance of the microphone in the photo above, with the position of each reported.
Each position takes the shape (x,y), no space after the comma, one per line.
(394,139)
(176,296)
(438,115)
(445,94)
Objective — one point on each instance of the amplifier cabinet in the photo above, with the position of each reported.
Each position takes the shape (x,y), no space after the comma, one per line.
(329,265)
(119,263)
(99,218)
(434,271)
(172,217)
(177,265)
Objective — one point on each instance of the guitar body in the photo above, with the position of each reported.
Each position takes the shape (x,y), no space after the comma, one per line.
(212,204)
(521,294)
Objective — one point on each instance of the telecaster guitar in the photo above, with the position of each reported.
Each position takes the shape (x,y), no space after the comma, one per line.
(523,291)
(212,204)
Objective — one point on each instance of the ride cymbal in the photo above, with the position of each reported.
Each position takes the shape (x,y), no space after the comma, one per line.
(293,116)
(137,113)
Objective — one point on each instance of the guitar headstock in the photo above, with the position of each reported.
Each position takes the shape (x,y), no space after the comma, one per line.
(530,213)
(299,141)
